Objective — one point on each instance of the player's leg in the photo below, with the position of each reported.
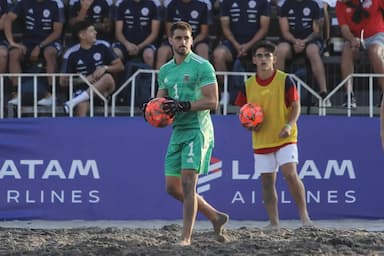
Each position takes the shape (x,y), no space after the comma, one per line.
(288,159)
(16,56)
(283,52)
(175,162)
(313,53)
(3,58)
(82,109)
(202,49)
(217,218)
(269,193)
(348,55)
(164,53)
(375,54)
(105,85)
(188,181)
(222,56)
(50,56)
(266,166)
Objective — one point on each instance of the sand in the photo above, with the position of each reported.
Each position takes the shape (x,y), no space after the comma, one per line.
(20,238)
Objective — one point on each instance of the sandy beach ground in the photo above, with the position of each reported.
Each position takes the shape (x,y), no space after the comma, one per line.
(157,237)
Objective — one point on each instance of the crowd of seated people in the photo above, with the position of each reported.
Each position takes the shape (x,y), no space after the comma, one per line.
(136,31)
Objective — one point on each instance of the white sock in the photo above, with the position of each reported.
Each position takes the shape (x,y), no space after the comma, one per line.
(80,98)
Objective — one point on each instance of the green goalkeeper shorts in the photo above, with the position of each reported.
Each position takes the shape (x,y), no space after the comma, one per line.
(192,154)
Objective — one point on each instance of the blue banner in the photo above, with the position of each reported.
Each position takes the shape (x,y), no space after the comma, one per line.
(112,169)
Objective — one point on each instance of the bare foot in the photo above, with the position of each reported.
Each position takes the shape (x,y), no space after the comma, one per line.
(185,243)
(271,228)
(307,223)
(218,227)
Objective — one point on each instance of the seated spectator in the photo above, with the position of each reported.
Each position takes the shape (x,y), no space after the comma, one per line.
(243,23)
(362,26)
(324,21)
(195,13)
(98,12)
(95,60)
(137,25)
(42,32)
(299,25)
(4,6)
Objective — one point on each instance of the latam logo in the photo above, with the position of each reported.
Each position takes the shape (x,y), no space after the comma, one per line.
(214,172)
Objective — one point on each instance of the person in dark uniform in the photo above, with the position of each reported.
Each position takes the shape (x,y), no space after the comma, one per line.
(95,60)
(300,28)
(42,32)
(4,7)
(243,23)
(137,25)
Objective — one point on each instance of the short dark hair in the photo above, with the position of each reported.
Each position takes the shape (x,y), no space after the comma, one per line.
(79,27)
(182,25)
(268,45)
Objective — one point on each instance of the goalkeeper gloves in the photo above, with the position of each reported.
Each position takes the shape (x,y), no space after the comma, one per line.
(144,107)
(172,106)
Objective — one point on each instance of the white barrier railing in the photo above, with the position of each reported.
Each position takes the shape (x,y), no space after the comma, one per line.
(55,76)
(322,110)
(132,81)
(370,77)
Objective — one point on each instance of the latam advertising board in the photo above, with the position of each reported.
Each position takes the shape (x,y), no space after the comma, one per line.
(112,169)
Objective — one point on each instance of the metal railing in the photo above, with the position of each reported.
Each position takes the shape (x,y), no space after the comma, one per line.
(342,84)
(132,81)
(112,110)
(20,108)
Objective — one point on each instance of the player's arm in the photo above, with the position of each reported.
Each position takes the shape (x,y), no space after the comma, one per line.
(293,102)
(8,31)
(284,28)
(261,33)
(119,33)
(55,35)
(295,112)
(81,14)
(347,35)
(315,31)
(203,33)
(208,100)
(225,27)
(155,28)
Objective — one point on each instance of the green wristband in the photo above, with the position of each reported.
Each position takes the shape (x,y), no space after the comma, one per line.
(288,126)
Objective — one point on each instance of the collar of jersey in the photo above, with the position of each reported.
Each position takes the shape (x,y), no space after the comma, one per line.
(187,58)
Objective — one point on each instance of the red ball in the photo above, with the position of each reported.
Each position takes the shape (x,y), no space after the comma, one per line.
(251,115)
(155,114)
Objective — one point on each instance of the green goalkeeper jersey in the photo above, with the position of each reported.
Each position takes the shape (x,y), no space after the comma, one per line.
(184,82)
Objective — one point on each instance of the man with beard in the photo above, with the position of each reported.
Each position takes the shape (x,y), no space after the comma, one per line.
(42,32)
(137,25)
(189,83)
(195,13)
